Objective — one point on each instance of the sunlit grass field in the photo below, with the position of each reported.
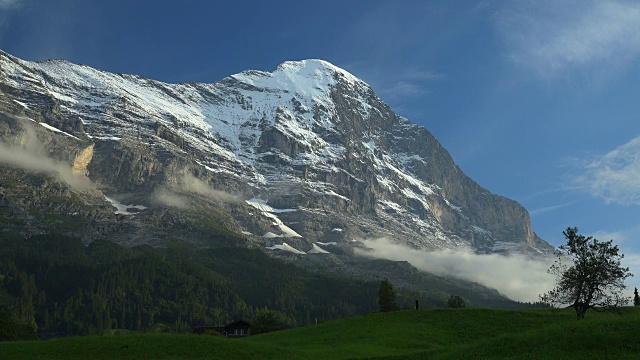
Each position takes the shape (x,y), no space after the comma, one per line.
(427,334)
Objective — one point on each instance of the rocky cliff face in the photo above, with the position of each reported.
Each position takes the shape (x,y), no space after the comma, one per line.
(308,153)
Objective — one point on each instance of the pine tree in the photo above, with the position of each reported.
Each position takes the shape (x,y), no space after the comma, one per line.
(387,297)
(7,327)
(636,297)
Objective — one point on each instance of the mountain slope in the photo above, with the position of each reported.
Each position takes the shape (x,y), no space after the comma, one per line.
(308,137)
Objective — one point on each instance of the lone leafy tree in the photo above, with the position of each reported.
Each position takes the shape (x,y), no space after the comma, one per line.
(387,297)
(456,302)
(593,278)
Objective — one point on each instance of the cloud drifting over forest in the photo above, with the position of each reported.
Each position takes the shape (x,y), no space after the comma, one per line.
(519,277)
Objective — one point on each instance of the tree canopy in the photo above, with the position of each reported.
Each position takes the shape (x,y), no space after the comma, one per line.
(387,297)
(7,327)
(588,275)
(267,320)
(456,302)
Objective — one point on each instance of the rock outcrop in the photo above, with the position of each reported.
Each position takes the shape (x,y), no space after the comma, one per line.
(309,139)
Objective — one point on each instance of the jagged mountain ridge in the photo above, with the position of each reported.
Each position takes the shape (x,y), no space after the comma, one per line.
(308,137)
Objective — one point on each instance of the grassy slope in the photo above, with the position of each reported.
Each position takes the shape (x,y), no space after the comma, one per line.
(432,334)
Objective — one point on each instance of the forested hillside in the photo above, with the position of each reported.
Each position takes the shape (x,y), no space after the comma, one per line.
(60,287)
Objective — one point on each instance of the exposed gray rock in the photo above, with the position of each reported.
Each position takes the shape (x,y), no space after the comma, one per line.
(308,137)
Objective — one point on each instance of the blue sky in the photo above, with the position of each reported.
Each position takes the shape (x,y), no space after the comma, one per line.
(535,100)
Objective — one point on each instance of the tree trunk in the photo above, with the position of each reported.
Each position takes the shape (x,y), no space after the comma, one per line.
(580,310)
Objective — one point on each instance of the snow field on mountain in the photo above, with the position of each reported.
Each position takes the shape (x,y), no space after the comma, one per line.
(286,247)
(315,249)
(122,209)
(54,129)
(269,211)
(21,104)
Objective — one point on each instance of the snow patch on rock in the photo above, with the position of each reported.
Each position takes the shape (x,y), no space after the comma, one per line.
(122,209)
(286,247)
(317,250)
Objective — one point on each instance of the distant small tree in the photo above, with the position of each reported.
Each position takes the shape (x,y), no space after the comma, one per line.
(7,327)
(636,297)
(387,297)
(456,302)
(268,320)
(594,279)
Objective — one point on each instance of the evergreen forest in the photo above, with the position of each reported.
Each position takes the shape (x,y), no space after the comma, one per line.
(53,285)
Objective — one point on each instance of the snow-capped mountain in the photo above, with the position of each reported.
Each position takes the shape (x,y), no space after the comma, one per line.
(307,152)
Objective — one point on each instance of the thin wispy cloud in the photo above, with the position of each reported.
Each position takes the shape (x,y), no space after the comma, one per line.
(188,186)
(7,8)
(47,29)
(616,236)
(549,208)
(413,82)
(556,39)
(402,89)
(625,239)
(632,260)
(399,83)
(416,74)
(10,4)
(564,188)
(393,45)
(615,176)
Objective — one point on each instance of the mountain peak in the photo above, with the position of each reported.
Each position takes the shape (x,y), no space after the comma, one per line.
(313,65)
(305,77)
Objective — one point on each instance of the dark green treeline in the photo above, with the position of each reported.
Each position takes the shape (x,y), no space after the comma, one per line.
(60,287)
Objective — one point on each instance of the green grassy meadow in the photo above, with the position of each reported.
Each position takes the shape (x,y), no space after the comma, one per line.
(427,334)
